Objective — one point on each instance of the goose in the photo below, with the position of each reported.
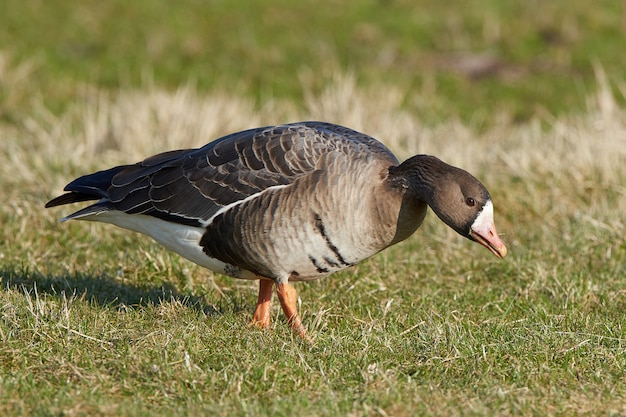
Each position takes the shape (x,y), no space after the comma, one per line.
(278,204)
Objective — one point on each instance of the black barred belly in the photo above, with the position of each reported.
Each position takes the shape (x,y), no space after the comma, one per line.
(277,236)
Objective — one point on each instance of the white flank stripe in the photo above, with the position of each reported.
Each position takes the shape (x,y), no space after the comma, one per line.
(224,209)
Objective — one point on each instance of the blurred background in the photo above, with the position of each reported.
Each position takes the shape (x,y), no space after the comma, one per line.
(475,59)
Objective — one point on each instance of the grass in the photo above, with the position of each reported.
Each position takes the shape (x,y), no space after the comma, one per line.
(96,320)
(535,335)
(470,58)
(99,320)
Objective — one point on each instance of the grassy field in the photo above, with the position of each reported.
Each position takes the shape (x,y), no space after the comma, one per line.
(96,320)
(467,58)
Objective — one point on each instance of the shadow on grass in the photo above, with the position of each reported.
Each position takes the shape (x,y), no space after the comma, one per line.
(106,291)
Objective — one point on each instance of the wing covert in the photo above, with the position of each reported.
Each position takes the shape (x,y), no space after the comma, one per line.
(190,186)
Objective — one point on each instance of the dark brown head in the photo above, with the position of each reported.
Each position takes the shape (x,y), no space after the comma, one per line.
(458,199)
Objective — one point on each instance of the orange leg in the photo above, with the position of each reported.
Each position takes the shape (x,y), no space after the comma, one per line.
(262,316)
(288,297)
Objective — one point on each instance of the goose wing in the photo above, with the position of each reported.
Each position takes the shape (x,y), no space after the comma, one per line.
(191,186)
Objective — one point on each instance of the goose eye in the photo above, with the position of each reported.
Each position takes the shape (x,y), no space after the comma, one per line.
(470,201)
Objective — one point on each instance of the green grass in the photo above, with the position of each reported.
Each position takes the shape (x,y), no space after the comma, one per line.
(448,332)
(269,49)
(96,320)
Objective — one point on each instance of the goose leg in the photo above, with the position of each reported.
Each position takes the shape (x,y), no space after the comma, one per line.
(288,297)
(261,317)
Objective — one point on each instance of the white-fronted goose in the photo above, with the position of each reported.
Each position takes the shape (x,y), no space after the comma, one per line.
(284,203)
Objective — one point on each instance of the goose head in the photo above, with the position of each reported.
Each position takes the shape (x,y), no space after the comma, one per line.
(456,197)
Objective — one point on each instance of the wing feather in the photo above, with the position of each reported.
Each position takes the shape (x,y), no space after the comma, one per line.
(193,185)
